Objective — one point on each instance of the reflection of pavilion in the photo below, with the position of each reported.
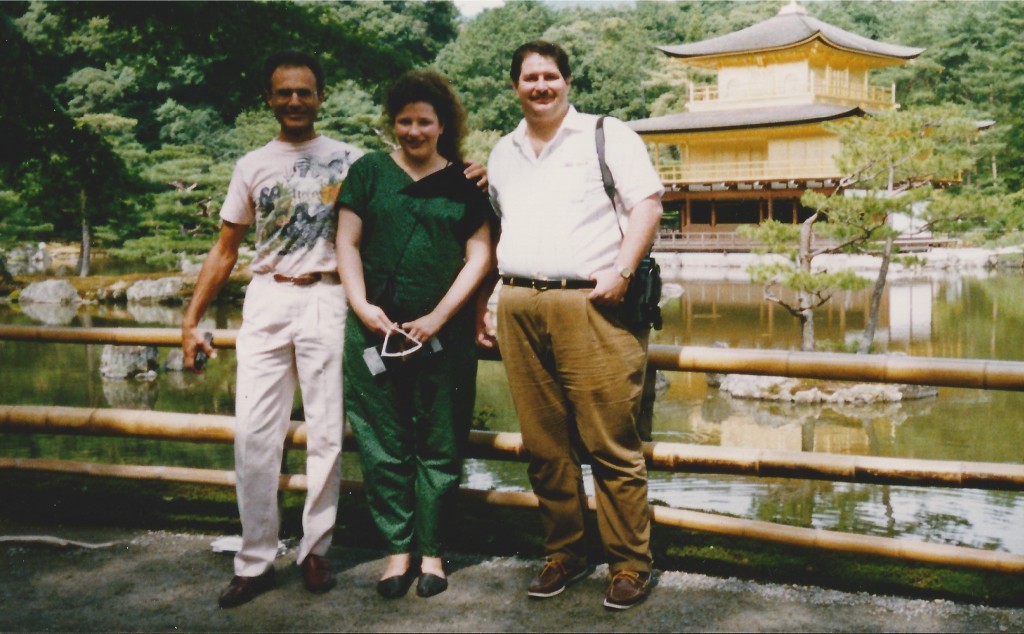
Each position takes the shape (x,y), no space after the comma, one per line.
(734,313)
(746,427)
(748,146)
(742,431)
(835,427)
(910,312)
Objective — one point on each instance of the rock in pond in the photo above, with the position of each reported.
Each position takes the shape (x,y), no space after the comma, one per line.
(49,292)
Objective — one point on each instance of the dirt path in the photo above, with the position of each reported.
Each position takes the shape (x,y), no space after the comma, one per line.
(150,581)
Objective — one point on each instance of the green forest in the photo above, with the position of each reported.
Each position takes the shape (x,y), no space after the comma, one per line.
(121,121)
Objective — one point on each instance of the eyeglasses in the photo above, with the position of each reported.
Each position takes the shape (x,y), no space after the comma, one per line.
(403,347)
(285,94)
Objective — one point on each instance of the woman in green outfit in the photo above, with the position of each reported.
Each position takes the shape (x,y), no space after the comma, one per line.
(414,243)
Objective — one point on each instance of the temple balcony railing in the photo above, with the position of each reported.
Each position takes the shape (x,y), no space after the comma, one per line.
(725,240)
(848,91)
(704,98)
(764,172)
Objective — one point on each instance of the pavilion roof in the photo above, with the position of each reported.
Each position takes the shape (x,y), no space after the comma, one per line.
(790,27)
(739,119)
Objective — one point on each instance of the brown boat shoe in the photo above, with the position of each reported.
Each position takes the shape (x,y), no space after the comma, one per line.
(245,589)
(316,574)
(628,588)
(554,577)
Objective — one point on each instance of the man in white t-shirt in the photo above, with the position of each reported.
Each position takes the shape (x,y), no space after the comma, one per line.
(292,323)
(575,370)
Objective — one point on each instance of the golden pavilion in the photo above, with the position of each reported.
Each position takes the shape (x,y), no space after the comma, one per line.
(748,146)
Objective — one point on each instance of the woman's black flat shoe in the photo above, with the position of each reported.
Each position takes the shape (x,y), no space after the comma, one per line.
(429,585)
(397,586)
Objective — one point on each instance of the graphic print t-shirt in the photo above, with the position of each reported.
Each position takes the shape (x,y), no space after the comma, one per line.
(288,190)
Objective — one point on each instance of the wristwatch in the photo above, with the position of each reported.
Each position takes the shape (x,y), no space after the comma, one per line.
(625,272)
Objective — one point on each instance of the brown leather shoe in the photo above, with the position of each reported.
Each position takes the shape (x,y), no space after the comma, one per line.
(627,589)
(244,589)
(555,576)
(316,574)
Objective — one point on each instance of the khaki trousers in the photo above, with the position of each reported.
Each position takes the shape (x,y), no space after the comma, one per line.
(576,377)
(290,335)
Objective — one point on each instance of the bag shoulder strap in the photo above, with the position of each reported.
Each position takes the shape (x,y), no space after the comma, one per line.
(606,174)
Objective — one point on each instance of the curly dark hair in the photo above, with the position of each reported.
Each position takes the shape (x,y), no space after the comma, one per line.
(430,87)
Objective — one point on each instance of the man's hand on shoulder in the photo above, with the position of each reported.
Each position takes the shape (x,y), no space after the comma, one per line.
(476,171)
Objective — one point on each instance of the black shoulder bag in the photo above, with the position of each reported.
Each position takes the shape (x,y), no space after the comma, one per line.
(640,307)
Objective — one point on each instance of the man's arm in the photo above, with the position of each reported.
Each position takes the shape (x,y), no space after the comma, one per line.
(477,172)
(643,226)
(485,335)
(216,269)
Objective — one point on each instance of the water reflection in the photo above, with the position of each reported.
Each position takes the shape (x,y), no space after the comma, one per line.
(910,312)
(944,316)
(130,393)
(155,314)
(50,314)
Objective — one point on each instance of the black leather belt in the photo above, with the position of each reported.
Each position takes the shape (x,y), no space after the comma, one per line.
(304,280)
(547,285)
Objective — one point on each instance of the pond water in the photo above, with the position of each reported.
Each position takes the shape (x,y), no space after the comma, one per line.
(964,316)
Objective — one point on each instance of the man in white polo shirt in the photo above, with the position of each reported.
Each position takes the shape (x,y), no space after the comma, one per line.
(576,372)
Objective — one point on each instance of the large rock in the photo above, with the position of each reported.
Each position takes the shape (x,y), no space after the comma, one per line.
(49,292)
(116,293)
(788,389)
(29,260)
(125,362)
(165,290)
(190,265)
(175,361)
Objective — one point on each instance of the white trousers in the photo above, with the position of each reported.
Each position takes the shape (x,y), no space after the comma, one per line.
(290,335)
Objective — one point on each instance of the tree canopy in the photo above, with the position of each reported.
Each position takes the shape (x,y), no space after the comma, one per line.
(128,116)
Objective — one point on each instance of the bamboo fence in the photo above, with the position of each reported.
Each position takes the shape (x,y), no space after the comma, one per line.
(972,373)
(905,550)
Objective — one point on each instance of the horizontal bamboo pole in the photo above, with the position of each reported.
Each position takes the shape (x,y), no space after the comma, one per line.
(765,463)
(820,539)
(661,456)
(222,338)
(875,368)
(903,550)
(99,421)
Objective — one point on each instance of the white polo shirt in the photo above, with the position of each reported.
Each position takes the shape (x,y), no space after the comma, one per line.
(556,219)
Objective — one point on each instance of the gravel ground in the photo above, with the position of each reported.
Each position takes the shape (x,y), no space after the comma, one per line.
(158,581)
